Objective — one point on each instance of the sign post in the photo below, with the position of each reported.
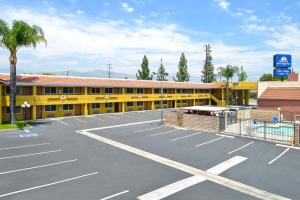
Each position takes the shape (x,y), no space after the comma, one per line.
(282,64)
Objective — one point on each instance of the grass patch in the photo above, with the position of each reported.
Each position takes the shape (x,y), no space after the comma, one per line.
(19,124)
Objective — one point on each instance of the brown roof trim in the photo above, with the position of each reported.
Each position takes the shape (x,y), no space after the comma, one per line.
(46,80)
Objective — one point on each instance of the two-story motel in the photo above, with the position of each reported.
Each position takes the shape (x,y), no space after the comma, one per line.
(57,96)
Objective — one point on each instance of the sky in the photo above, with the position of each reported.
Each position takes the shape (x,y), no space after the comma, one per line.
(89,34)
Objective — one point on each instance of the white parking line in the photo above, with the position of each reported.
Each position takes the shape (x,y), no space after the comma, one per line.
(210,141)
(291,147)
(240,147)
(147,129)
(229,183)
(96,118)
(190,135)
(114,195)
(286,150)
(46,185)
(228,136)
(19,147)
(32,154)
(80,120)
(62,122)
(188,182)
(36,167)
(164,132)
(111,117)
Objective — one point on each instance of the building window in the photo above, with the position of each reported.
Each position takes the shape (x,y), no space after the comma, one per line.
(108,105)
(18,109)
(50,108)
(140,90)
(95,105)
(157,91)
(165,102)
(129,104)
(108,90)
(95,90)
(50,90)
(156,102)
(140,103)
(183,101)
(68,90)
(68,107)
(129,90)
(18,90)
(165,91)
(184,91)
(178,101)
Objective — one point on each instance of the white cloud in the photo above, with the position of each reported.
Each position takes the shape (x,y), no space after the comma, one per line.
(72,45)
(224,4)
(79,12)
(127,8)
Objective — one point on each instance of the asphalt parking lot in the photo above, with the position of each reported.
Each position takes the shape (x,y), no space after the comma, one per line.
(131,156)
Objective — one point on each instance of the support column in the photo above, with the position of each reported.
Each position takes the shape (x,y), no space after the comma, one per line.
(247,97)
(152,105)
(123,99)
(34,102)
(243,98)
(209,101)
(85,105)
(223,102)
(2,96)
(194,102)
(123,106)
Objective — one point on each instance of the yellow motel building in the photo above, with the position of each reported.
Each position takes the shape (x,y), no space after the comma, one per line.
(59,96)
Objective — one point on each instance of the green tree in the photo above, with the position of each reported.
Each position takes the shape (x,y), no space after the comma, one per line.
(242,75)
(48,74)
(266,77)
(161,73)
(208,75)
(228,72)
(19,34)
(144,72)
(182,75)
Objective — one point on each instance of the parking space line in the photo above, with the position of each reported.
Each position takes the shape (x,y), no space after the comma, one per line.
(210,141)
(226,182)
(164,132)
(31,154)
(287,146)
(277,157)
(96,118)
(46,185)
(62,122)
(190,135)
(19,147)
(147,129)
(80,120)
(240,148)
(111,117)
(36,167)
(228,136)
(115,195)
(193,180)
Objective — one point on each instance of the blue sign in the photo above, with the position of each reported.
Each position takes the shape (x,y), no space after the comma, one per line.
(282,61)
(275,119)
(279,72)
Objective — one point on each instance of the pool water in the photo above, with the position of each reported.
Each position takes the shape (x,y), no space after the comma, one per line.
(281,130)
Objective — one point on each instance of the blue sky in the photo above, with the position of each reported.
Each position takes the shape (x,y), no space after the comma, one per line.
(85,35)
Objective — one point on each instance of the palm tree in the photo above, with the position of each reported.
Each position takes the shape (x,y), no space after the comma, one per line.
(228,72)
(20,34)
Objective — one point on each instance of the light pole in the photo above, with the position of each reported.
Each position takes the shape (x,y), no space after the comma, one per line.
(24,106)
(162,78)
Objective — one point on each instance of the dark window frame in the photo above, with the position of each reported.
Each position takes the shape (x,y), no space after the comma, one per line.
(96,105)
(68,106)
(53,108)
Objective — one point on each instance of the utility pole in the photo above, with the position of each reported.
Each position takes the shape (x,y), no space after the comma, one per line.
(67,73)
(207,53)
(109,70)
(162,78)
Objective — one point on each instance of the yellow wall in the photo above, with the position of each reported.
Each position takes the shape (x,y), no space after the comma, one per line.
(83,96)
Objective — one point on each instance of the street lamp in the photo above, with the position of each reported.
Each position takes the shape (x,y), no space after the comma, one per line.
(161,77)
(24,106)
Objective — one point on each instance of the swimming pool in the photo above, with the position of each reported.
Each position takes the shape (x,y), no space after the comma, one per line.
(280,130)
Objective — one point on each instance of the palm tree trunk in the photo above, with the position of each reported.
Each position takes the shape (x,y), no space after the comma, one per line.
(13,62)
(227,91)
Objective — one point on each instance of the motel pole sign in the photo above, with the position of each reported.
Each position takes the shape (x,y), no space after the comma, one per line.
(282,64)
